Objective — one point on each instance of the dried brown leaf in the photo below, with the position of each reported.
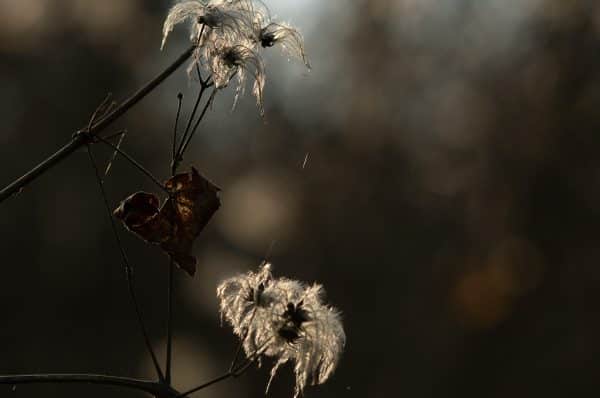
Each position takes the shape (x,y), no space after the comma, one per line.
(192,202)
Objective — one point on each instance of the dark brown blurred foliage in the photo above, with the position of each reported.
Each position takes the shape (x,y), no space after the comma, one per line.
(448,204)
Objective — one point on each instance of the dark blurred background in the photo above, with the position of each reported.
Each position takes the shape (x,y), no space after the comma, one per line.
(448,201)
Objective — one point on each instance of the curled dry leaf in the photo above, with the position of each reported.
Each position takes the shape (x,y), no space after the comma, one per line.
(192,202)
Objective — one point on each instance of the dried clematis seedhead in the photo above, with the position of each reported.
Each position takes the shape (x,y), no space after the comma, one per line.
(192,202)
(228,34)
(258,13)
(289,322)
(286,36)
(179,13)
(238,296)
(241,294)
(318,339)
(228,18)
(239,61)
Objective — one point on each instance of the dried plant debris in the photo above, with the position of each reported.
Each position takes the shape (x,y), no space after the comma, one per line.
(177,223)
(286,320)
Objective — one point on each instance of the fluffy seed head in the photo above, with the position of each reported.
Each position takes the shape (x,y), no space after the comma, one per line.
(286,320)
(228,35)
(287,37)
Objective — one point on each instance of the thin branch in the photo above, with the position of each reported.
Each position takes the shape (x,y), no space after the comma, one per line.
(169,322)
(78,140)
(176,159)
(179,98)
(203,82)
(115,153)
(128,267)
(141,385)
(200,79)
(238,350)
(207,384)
(198,66)
(170,287)
(117,134)
(252,358)
(204,85)
(102,109)
(230,373)
(185,143)
(243,367)
(241,343)
(134,162)
(142,92)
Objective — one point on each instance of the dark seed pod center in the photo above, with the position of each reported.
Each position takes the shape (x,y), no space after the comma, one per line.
(289,333)
(267,39)
(295,315)
(231,58)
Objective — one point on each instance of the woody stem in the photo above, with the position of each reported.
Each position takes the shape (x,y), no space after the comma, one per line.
(79,140)
(141,385)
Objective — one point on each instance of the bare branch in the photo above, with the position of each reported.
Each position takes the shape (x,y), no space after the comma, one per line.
(136,384)
(169,321)
(128,268)
(78,140)
(134,162)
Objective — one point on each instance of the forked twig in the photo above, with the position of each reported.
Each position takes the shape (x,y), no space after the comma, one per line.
(84,378)
(204,85)
(186,140)
(128,267)
(134,162)
(232,372)
(79,140)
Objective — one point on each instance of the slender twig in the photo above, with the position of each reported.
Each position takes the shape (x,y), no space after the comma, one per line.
(251,358)
(179,100)
(169,322)
(78,140)
(199,72)
(238,350)
(207,384)
(184,144)
(134,162)
(102,110)
(232,372)
(204,85)
(225,376)
(128,267)
(115,153)
(243,367)
(241,343)
(142,92)
(176,160)
(136,384)
(203,82)
(117,134)
(170,287)
(195,109)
